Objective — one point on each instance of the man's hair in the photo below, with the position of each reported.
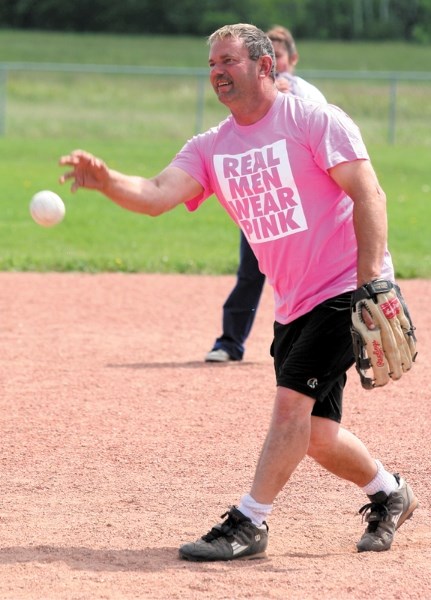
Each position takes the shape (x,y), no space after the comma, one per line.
(254,39)
(281,34)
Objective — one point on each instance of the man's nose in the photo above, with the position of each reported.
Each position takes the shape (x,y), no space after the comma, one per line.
(217,69)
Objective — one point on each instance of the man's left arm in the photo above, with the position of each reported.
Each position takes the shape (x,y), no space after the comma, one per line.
(359,180)
(383,335)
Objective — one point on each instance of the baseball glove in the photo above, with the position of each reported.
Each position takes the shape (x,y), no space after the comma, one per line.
(389,350)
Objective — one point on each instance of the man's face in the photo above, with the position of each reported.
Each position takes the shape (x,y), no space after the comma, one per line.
(233,75)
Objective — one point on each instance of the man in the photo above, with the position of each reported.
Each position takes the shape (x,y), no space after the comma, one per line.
(298,180)
(239,309)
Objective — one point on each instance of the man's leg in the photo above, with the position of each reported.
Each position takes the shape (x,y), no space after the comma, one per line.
(340,452)
(285,445)
(392,501)
(244,535)
(239,309)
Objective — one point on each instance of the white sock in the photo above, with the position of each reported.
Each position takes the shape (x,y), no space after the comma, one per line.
(382,482)
(254,510)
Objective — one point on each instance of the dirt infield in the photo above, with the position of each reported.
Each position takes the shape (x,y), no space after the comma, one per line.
(118,443)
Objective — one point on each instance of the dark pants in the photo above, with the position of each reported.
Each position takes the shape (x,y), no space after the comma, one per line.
(239,310)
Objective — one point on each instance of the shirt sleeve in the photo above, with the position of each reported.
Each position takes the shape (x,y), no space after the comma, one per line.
(334,138)
(191,159)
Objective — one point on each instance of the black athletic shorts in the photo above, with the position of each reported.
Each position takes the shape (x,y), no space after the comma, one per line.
(312,354)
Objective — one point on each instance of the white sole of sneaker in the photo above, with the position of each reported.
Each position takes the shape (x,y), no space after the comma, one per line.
(260,555)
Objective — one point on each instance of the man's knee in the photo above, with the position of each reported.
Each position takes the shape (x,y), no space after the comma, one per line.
(292,406)
(323,435)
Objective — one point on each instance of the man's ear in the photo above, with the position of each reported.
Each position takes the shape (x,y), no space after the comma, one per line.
(265,65)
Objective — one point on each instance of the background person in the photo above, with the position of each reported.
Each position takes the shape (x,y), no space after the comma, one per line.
(264,163)
(239,309)
(286,59)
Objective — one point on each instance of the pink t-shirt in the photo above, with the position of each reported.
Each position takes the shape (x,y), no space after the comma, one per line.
(271,177)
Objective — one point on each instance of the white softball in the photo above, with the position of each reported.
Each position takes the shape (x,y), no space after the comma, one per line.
(47,208)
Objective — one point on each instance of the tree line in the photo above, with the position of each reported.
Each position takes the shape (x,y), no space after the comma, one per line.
(313,19)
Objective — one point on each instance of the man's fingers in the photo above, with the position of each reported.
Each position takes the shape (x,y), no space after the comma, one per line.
(367,318)
(70,175)
(66,176)
(87,171)
(76,157)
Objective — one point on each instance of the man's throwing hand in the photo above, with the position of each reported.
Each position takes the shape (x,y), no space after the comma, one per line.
(88,171)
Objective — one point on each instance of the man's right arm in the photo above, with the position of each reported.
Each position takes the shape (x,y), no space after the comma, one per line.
(153,196)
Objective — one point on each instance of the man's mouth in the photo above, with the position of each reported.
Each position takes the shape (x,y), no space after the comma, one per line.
(223,84)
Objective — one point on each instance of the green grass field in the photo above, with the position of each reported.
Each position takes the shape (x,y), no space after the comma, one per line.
(137,123)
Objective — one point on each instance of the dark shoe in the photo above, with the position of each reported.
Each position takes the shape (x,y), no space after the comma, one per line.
(384,514)
(235,538)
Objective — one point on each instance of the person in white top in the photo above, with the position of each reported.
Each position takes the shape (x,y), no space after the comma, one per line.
(286,59)
(239,309)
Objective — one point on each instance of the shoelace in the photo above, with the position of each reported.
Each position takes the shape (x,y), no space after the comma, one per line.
(226,529)
(373,513)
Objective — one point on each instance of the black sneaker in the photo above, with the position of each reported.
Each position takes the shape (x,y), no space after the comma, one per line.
(384,514)
(235,538)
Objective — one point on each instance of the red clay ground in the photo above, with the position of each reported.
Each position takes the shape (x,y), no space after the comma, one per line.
(119,443)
